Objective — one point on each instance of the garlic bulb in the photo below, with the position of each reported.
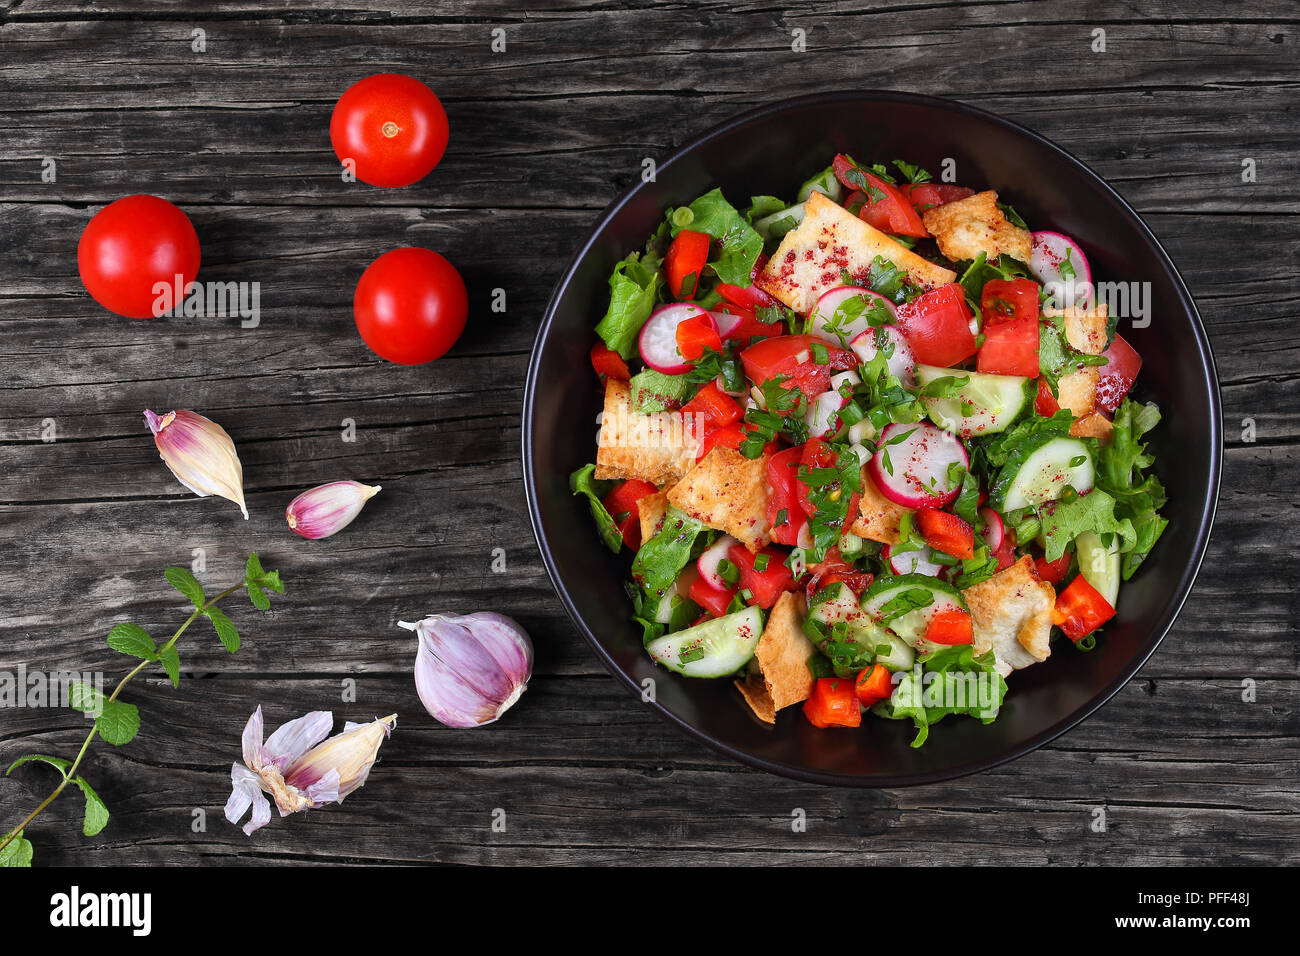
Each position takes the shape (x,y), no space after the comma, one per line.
(328,509)
(470,669)
(199,453)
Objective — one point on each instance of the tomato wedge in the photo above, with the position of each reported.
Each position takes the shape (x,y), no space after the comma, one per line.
(791,356)
(621,503)
(925,196)
(834,703)
(1010,348)
(747,297)
(1118,375)
(833,569)
(937,326)
(712,408)
(1053,572)
(767,584)
(1008,300)
(887,209)
(785,514)
(715,601)
(696,334)
(685,260)
(1045,403)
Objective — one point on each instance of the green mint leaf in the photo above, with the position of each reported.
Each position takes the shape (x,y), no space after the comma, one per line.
(187,584)
(271,581)
(57,763)
(119,723)
(96,812)
(132,640)
(83,697)
(18,853)
(258,597)
(225,628)
(171,662)
(253,568)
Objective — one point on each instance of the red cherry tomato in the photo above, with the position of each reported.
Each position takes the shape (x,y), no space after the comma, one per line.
(132,244)
(392,127)
(410,306)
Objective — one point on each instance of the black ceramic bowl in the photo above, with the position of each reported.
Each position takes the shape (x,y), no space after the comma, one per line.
(770,151)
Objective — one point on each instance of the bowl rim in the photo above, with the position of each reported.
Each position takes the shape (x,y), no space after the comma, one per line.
(1069,721)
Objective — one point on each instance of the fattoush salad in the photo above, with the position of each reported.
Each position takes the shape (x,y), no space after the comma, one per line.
(866,445)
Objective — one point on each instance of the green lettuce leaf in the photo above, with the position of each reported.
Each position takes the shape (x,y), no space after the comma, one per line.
(582,482)
(1063,521)
(633,291)
(951,680)
(662,558)
(740,244)
(1121,471)
(653,391)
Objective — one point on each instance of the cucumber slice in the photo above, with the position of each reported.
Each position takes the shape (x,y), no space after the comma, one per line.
(993,402)
(1039,473)
(715,648)
(824,183)
(877,644)
(1099,564)
(911,624)
(779,223)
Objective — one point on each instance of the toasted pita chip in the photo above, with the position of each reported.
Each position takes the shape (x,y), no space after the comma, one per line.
(1078,391)
(782,654)
(1096,425)
(879,519)
(1085,328)
(651,510)
(813,257)
(655,448)
(727,491)
(967,227)
(1012,613)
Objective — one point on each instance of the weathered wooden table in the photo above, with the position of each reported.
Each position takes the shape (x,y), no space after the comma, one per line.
(231,122)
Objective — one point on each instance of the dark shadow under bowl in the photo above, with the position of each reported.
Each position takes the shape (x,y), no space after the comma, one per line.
(770,151)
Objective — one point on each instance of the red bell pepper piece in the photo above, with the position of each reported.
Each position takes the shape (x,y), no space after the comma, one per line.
(950,627)
(875,683)
(1080,609)
(783,496)
(766,585)
(1118,375)
(937,326)
(685,260)
(833,703)
(715,601)
(696,334)
(1010,348)
(608,363)
(712,408)
(946,532)
(747,297)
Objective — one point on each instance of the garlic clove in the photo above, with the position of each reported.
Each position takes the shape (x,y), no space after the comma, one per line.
(470,669)
(328,509)
(346,758)
(200,454)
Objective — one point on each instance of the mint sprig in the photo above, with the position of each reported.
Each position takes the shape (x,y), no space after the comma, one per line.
(117,722)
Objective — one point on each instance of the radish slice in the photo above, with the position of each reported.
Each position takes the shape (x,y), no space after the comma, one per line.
(726,322)
(658,341)
(707,563)
(912,562)
(821,417)
(910,466)
(824,312)
(900,362)
(1050,252)
(995,530)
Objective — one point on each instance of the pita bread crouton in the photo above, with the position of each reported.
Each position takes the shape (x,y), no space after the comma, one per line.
(655,448)
(782,654)
(879,519)
(1078,391)
(831,240)
(1085,328)
(727,491)
(1096,425)
(1012,613)
(967,227)
(651,509)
